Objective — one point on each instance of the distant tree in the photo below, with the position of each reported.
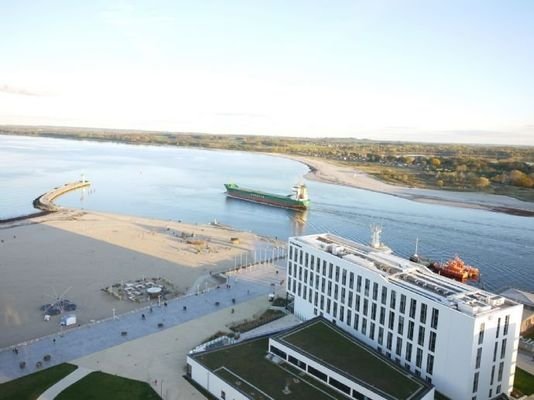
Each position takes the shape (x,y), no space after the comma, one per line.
(439,183)
(482,182)
(435,162)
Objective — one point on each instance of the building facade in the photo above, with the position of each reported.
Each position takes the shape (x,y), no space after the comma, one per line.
(460,338)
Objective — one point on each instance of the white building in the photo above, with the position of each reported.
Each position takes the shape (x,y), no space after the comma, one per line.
(461,339)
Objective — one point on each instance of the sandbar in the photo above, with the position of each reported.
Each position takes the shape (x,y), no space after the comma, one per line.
(327,172)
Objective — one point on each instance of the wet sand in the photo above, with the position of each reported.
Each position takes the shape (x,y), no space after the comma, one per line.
(83,252)
(324,171)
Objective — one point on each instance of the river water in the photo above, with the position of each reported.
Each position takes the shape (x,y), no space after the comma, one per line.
(187,184)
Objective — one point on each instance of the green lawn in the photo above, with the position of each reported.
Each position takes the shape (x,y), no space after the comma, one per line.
(524,382)
(30,387)
(244,366)
(325,343)
(102,386)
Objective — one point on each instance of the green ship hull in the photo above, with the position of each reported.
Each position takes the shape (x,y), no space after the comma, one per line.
(275,200)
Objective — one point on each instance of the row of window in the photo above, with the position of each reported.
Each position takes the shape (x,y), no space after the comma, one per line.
(316,373)
(481,333)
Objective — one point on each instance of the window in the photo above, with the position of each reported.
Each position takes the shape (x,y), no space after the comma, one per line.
(498,327)
(328,306)
(432,341)
(408,351)
(351,280)
(341,313)
(329,291)
(430,364)
(306,259)
(380,336)
(357,305)
(375,291)
(364,326)
(330,270)
(413,305)
(349,301)
(335,310)
(365,306)
(321,306)
(503,348)
(422,314)
(481,333)
(495,351)
(298,363)
(323,284)
(223,395)
(384,294)
(398,347)
(338,385)
(382,315)
(317,373)
(419,357)
(498,389)
(391,321)
(300,256)
(506,324)
(290,267)
(278,352)
(403,304)
(366,290)
(356,321)
(389,341)
(337,273)
(324,268)
(359,284)
(373,311)
(290,256)
(336,291)
(475,382)
(400,325)
(492,375)
(421,336)
(410,329)
(501,369)
(372,331)
(435,317)
(392,300)
(479,357)
(342,299)
(344,277)
(349,317)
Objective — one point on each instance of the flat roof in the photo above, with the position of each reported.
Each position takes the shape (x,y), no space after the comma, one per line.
(328,345)
(407,274)
(244,366)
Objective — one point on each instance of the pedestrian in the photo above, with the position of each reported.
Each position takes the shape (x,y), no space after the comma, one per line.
(150,308)
(54,340)
(165,304)
(143,316)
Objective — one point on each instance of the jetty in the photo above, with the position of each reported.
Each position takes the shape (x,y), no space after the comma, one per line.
(45,202)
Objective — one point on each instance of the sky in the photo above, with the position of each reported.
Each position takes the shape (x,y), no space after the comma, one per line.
(429,70)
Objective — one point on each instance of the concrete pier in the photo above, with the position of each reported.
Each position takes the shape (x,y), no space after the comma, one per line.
(45,202)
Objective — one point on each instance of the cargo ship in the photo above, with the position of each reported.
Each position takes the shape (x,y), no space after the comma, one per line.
(298,200)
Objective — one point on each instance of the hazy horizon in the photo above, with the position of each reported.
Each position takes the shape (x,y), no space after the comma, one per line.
(420,71)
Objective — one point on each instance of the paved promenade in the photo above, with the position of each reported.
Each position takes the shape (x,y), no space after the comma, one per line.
(78,342)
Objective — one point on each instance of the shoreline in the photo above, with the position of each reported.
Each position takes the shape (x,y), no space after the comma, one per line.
(86,251)
(327,172)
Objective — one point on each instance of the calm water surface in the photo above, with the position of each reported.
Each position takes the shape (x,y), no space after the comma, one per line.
(187,185)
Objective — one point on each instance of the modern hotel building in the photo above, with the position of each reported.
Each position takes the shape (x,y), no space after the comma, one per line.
(461,339)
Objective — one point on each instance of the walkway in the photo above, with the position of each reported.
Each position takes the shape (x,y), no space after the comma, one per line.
(94,337)
(75,376)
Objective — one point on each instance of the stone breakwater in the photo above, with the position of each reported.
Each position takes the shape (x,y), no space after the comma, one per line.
(45,202)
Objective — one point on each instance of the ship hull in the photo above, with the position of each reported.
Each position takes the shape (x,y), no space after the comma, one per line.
(266,198)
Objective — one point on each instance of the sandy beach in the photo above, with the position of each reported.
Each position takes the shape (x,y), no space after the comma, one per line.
(324,171)
(82,252)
